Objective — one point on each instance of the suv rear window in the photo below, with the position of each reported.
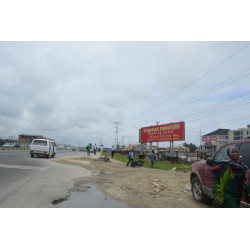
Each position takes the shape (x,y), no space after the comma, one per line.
(39,143)
(245,153)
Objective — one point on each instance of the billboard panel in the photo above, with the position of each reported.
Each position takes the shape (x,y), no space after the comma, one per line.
(209,140)
(166,132)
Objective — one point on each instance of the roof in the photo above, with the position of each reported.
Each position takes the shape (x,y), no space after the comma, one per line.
(220,131)
(30,135)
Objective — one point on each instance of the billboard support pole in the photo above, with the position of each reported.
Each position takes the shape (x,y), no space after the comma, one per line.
(171,148)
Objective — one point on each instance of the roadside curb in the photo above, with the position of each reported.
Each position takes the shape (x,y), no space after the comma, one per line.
(13,149)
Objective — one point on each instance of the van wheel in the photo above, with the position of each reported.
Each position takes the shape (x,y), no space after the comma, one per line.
(32,156)
(197,191)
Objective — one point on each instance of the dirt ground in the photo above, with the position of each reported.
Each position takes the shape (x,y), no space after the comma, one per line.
(138,187)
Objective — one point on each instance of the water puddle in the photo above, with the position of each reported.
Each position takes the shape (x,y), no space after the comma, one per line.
(97,172)
(89,196)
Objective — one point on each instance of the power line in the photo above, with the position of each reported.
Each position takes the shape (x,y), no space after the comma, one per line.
(216,105)
(215,108)
(237,119)
(205,93)
(196,80)
(230,108)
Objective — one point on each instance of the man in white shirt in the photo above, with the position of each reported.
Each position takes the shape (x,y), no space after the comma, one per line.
(95,147)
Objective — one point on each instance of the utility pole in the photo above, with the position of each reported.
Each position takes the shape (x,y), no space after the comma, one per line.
(201,149)
(200,138)
(116,134)
(157,142)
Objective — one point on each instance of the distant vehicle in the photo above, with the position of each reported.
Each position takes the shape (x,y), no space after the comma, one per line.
(202,178)
(11,145)
(182,157)
(43,147)
(8,145)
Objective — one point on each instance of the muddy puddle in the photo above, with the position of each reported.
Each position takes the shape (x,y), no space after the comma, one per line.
(89,196)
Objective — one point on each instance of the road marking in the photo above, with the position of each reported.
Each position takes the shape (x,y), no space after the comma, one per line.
(22,167)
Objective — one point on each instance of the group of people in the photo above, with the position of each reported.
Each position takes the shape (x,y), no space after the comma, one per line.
(131,158)
(88,148)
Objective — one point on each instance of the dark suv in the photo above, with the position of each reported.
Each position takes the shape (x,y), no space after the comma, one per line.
(202,178)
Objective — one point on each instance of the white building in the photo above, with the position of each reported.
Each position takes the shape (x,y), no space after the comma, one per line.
(214,140)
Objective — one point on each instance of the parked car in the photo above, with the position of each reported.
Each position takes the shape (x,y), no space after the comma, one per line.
(182,157)
(43,147)
(202,178)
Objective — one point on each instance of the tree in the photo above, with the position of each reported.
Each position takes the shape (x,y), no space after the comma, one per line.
(191,146)
(2,142)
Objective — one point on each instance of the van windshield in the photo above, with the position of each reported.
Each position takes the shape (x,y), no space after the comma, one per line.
(40,142)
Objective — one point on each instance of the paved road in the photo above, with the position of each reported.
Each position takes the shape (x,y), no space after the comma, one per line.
(35,182)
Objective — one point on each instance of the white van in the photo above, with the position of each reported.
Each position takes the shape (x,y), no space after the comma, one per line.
(43,147)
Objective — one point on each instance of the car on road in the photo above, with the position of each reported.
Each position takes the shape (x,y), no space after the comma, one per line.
(43,147)
(7,145)
(202,178)
(11,145)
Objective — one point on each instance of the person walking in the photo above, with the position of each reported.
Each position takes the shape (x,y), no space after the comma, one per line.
(152,159)
(131,158)
(95,147)
(88,149)
(112,151)
(230,195)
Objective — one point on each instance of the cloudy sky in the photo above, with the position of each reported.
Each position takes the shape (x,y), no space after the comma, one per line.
(74,92)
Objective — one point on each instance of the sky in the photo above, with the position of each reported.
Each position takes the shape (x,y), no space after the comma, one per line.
(76,92)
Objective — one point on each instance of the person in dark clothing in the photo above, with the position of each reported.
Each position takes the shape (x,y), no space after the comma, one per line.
(237,183)
(152,159)
(131,158)
(112,151)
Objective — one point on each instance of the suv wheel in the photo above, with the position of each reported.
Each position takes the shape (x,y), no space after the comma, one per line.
(197,190)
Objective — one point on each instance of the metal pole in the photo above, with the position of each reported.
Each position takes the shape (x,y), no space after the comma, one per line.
(116,134)
(157,142)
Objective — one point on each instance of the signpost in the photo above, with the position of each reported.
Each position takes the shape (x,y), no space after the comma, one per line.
(167,132)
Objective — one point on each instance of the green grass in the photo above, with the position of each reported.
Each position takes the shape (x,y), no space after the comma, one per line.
(180,166)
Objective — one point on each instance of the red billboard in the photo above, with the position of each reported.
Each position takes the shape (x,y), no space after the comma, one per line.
(166,132)
(209,140)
